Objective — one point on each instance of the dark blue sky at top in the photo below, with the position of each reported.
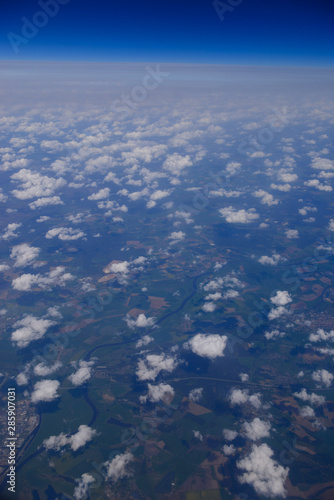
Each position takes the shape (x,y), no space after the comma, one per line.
(274,32)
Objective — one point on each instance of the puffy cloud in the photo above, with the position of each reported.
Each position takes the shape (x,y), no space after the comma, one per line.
(145,340)
(324,377)
(306,209)
(242,396)
(312,398)
(4,267)
(34,185)
(177,236)
(307,412)
(10,231)
(196,395)
(228,281)
(292,234)
(56,277)
(207,346)
(209,307)
(256,429)
(30,329)
(317,184)
(65,233)
(119,267)
(82,489)
(75,441)
(271,261)
(287,177)
(266,198)
(274,334)
(213,296)
(322,163)
(263,472)
(117,467)
(24,254)
(198,435)
(238,216)
(150,368)
(43,218)
(244,377)
(282,298)
(321,335)
(140,322)
(157,393)
(83,373)
(285,188)
(42,370)
(22,379)
(229,434)
(159,194)
(277,313)
(45,390)
(44,202)
(100,195)
(331,225)
(175,163)
(228,449)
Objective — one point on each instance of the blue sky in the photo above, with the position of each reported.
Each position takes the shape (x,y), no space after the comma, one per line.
(273,32)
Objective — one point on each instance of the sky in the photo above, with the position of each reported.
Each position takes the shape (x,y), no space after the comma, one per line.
(249,32)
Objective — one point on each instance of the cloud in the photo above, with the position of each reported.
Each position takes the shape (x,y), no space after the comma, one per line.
(75,441)
(44,202)
(307,412)
(57,277)
(117,467)
(140,322)
(45,390)
(65,233)
(175,163)
(10,231)
(82,489)
(198,435)
(177,236)
(207,346)
(324,377)
(312,398)
(209,307)
(42,370)
(322,163)
(157,393)
(238,216)
(22,379)
(274,334)
(145,340)
(263,473)
(331,225)
(228,449)
(256,429)
(24,254)
(4,267)
(292,234)
(100,195)
(242,396)
(285,188)
(150,368)
(229,434)
(196,395)
(317,184)
(271,261)
(266,198)
(282,298)
(83,373)
(31,329)
(34,185)
(321,335)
